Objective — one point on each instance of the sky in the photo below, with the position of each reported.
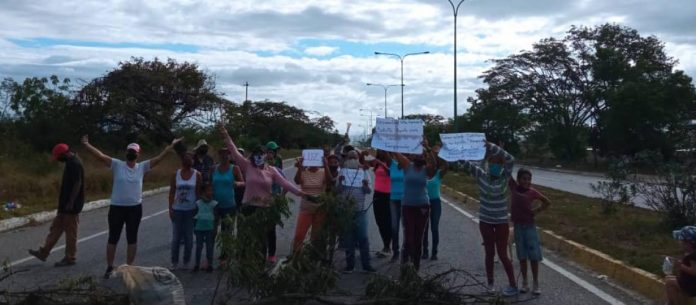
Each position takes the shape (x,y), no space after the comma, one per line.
(318,54)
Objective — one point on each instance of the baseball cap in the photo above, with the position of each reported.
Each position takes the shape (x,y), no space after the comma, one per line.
(58,150)
(134,146)
(271,145)
(687,233)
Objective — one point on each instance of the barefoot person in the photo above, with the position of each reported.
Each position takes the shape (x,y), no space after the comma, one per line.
(493,214)
(70,202)
(126,197)
(522,197)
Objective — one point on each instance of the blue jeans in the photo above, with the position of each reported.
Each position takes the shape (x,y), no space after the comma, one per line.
(182,230)
(395,210)
(435,213)
(357,235)
(204,238)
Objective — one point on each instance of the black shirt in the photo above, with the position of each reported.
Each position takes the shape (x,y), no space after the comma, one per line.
(205,166)
(72,175)
(687,282)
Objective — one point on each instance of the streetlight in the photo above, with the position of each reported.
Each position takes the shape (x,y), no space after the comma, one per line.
(385,87)
(455,11)
(401,58)
(371,111)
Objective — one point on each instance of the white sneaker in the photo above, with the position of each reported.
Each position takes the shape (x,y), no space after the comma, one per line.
(536,290)
(173,267)
(490,288)
(525,288)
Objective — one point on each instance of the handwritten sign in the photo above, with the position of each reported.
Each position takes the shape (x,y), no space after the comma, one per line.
(462,146)
(313,158)
(404,136)
(352,177)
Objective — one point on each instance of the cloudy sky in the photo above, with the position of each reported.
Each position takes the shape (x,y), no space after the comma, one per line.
(317,54)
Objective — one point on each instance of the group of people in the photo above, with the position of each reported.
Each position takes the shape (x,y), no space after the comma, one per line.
(405,192)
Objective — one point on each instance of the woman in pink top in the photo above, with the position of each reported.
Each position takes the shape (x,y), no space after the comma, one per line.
(380,200)
(259,179)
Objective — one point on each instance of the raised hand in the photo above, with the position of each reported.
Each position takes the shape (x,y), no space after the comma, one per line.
(84,139)
(298,162)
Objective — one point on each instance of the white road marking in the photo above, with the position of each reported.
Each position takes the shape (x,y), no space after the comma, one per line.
(93,236)
(580,282)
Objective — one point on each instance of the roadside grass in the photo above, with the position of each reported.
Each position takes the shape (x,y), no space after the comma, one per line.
(633,235)
(34,181)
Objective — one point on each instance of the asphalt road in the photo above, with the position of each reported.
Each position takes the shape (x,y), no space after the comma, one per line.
(460,247)
(577,183)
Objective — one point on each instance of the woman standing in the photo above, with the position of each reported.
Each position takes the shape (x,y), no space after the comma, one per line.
(125,208)
(380,203)
(415,205)
(184,190)
(434,185)
(259,180)
(227,178)
(396,181)
(312,180)
(493,214)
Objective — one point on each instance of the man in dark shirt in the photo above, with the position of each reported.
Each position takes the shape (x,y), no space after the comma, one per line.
(202,162)
(70,203)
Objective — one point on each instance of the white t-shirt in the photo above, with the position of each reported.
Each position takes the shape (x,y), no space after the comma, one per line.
(128,182)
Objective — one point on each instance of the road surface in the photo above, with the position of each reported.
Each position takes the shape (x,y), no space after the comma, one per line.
(561,282)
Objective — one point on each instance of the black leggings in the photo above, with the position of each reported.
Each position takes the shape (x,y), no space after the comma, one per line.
(128,215)
(270,245)
(380,205)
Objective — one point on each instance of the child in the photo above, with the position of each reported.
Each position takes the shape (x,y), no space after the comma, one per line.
(205,223)
(683,287)
(522,195)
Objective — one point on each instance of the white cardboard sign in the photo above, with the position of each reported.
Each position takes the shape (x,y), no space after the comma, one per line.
(313,157)
(404,136)
(462,146)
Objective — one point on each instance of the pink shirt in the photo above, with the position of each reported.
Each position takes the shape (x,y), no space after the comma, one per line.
(521,203)
(382,180)
(257,191)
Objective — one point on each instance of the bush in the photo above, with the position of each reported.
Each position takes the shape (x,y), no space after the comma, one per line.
(618,190)
(673,192)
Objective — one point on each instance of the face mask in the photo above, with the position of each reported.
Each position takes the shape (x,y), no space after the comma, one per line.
(258,160)
(131,156)
(203,151)
(333,168)
(495,169)
(351,163)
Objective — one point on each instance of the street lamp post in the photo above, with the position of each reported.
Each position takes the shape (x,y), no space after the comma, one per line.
(401,58)
(455,11)
(385,87)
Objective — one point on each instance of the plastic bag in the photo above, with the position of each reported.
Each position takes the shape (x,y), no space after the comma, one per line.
(667,266)
(151,285)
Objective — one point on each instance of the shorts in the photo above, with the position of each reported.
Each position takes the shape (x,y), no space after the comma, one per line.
(527,243)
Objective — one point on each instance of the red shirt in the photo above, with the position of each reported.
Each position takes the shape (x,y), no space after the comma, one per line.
(521,203)
(382,180)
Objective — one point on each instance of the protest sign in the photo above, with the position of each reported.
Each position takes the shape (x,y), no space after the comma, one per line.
(313,157)
(462,146)
(403,136)
(352,177)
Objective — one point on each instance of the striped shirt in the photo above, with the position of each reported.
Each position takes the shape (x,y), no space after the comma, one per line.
(313,183)
(493,191)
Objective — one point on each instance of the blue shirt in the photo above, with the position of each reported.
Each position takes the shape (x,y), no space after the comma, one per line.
(396,176)
(223,188)
(205,217)
(434,186)
(415,193)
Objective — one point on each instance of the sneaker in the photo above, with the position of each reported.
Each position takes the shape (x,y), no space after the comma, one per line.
(395,258)
(433,257)
(272,259)
(380,254)
(209,269)
(195,269)
(369,269)
(37,254)
(64,263)
(536,290)
(174,267)
(510,291)
(425,254)
(490,289)
(109,271)
(349,270)
(525,288)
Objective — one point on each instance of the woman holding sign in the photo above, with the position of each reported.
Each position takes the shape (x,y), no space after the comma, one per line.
(415,205)
(434,185)
(259,180)
(380,200)
(312,180)
(493,214)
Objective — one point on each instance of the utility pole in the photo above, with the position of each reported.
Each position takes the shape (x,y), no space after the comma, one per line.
(246,91)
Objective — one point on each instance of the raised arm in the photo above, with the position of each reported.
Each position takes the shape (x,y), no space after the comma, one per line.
(298,172)
(238,177)
(96,152)
(156,160)
(473,169)
(401,160)
(430,159)
(234,152)
(284,183)
(172,193)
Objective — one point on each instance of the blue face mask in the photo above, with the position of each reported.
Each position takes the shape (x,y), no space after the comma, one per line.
(259,160)
(495,169)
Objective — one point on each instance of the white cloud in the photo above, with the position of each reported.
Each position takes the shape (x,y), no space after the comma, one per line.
(320,51)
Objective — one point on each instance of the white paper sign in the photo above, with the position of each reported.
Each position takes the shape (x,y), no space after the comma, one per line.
(352,177)
(313,157)
(462,146)
(404,136)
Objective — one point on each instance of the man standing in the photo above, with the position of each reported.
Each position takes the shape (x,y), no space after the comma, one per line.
(202,162)
(70,202)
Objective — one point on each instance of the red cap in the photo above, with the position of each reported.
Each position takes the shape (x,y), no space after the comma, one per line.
(59,149)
